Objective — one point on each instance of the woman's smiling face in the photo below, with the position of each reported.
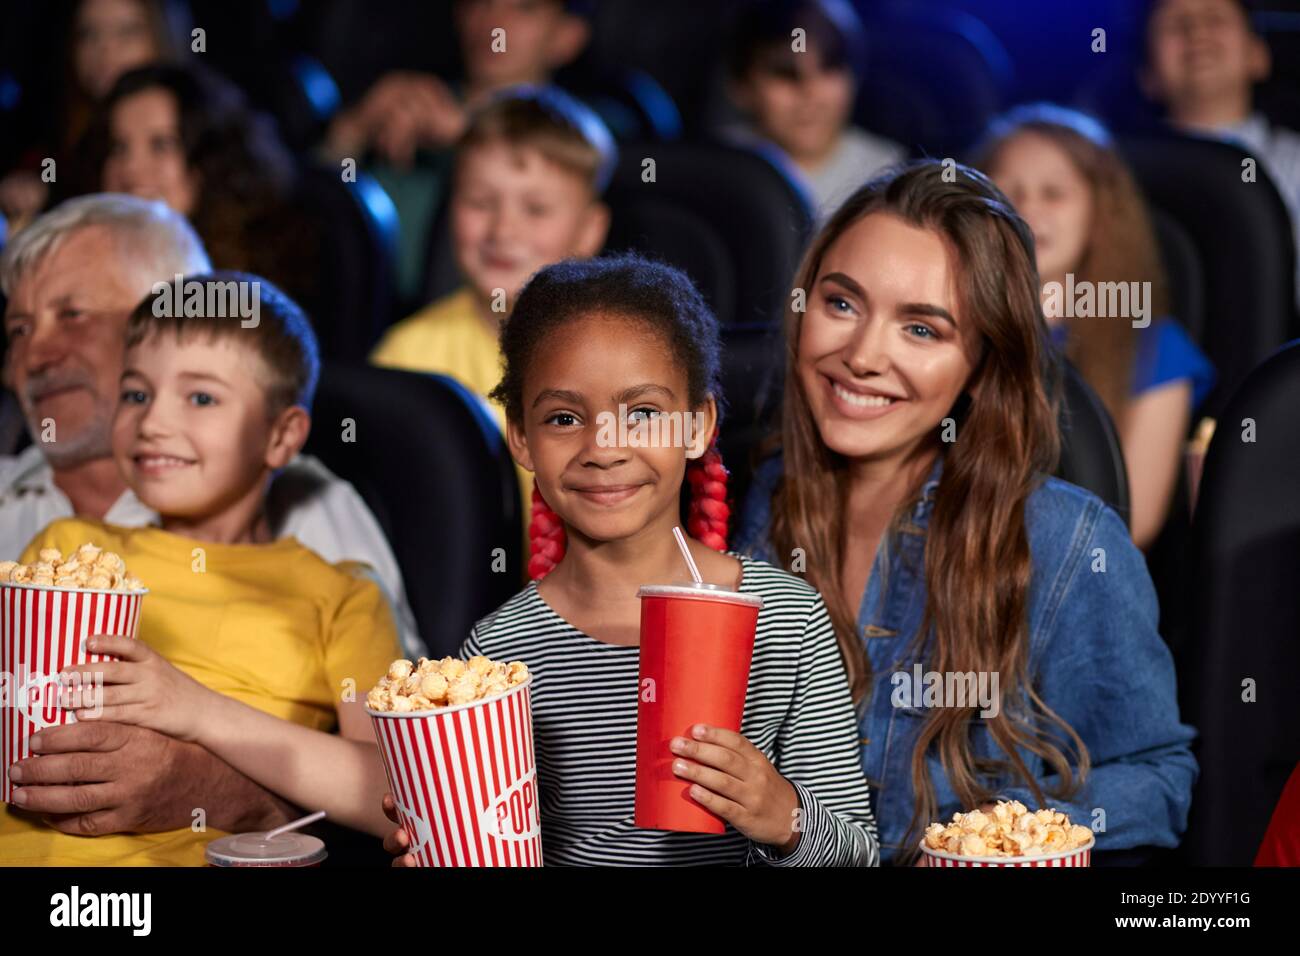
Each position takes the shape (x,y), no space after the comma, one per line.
(605,490)
(884,351)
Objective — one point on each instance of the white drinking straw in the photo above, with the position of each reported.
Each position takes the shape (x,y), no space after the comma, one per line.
(686,553)
(310,818)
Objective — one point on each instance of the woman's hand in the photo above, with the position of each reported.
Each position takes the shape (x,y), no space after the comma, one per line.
(397,842)
(736,781)
(140,688)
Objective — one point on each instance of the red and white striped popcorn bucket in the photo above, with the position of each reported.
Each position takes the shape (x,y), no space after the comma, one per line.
(43,630)
(1080,856)
(464,780)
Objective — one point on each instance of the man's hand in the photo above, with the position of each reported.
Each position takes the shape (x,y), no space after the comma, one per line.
(100,777)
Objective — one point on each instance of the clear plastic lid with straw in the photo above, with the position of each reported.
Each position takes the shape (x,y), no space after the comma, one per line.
(278,847)
(697,589)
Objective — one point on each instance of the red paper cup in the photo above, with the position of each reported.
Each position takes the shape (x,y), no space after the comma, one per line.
(697,642)
(43,630)
(1081,856)
(465,782)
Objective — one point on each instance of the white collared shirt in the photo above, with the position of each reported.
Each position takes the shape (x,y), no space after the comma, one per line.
(307,502)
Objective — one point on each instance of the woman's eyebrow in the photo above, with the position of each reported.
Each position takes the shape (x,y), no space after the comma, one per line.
(907,308)
(840,279)
(925,308)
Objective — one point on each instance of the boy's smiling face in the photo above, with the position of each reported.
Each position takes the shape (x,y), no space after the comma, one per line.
(514,211)
(588,367)
(192,436)
(1201,50)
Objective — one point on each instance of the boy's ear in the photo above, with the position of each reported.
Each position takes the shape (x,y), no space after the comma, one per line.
(594,230)
(569,39)
(517,441)
(288,434)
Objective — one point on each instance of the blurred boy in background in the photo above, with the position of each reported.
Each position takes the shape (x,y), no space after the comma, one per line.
(529,174)
(1203,59)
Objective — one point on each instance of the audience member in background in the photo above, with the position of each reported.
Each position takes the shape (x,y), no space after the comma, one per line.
(270,635)
(108,37)
(800,98)
(1203,60)
(919,431)
(1061,171)
(404,126)
(72,278)
(184,135)
(529,173)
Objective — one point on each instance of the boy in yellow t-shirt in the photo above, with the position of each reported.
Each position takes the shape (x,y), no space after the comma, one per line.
(529,172)
(244,642)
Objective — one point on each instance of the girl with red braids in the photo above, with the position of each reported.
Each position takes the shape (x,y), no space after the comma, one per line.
(627,340)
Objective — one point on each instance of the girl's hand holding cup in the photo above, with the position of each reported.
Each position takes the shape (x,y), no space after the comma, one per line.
(734,779)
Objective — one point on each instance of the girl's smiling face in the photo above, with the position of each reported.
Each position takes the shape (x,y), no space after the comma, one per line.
(603,489)
(884,351)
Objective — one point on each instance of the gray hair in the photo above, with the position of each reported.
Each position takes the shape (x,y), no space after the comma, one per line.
(156,242)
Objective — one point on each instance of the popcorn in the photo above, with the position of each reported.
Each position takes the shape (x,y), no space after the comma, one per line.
(1008,829)
(1200,442)
(428,685)
(88,567)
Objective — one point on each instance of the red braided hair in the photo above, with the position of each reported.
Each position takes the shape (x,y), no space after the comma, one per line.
(706,520)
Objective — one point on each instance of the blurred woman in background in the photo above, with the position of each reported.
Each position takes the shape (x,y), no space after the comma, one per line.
(1090,223)
(185,136)
(107,38)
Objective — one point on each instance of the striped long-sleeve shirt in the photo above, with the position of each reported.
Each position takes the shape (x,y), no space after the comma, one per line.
(798,712)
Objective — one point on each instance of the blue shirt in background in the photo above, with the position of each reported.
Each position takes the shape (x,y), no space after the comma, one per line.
(1165,353)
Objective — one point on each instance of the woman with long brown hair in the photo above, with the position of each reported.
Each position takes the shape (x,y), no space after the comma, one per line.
(1092,234)
(998,626)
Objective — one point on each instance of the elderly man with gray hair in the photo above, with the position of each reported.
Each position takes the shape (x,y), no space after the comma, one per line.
(72,278)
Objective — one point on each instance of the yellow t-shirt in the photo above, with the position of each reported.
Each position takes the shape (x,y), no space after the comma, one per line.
(272,625)
(447,337)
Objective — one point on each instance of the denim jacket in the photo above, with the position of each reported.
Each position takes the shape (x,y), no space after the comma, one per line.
(1096,659)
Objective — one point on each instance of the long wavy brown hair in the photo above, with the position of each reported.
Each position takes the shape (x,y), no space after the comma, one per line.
(977,559)
(1121,244)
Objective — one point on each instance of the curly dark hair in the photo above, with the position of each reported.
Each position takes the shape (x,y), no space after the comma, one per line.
(244,170)
(626,285)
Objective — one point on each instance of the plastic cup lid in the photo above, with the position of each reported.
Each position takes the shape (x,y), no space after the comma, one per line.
(255,848)
(700,592)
